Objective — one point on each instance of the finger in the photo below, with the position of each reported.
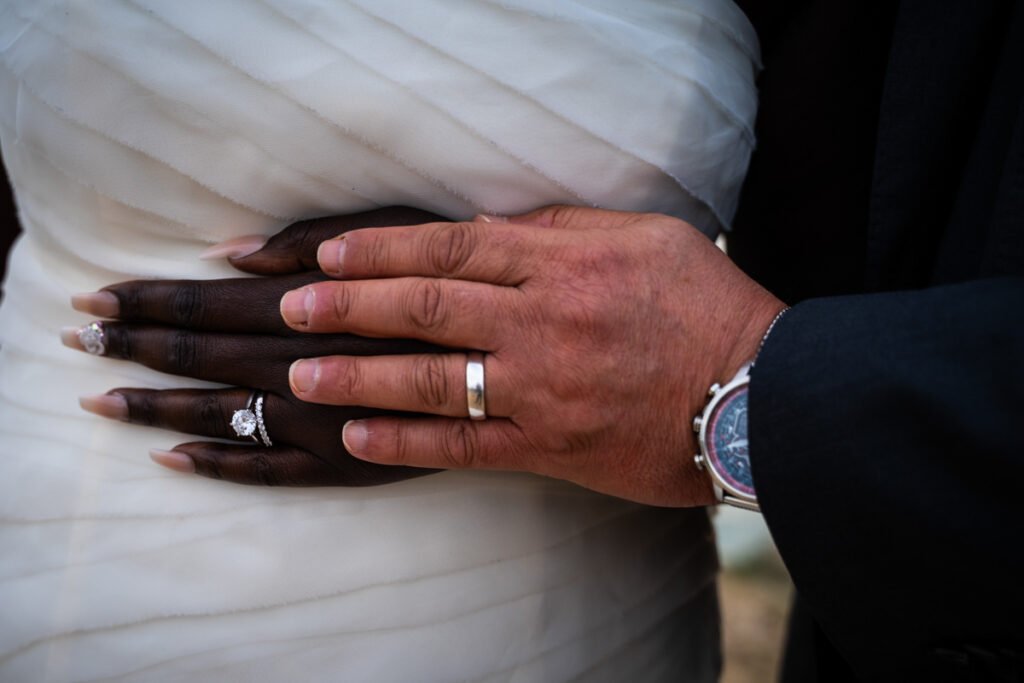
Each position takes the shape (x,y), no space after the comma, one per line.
(432,383)
(255,361)
(440,443)
(232,305)
(449,312)
(492,253)
(192,411)
(293,250)
(276,466)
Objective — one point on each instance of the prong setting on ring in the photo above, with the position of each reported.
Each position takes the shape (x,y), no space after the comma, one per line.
(244,421)
(475,386)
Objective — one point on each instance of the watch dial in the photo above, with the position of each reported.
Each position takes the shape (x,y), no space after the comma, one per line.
(727,440)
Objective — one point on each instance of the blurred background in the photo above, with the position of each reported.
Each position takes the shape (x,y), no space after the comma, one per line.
(755,593)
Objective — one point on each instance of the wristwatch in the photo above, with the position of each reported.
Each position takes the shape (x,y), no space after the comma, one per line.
(722,439)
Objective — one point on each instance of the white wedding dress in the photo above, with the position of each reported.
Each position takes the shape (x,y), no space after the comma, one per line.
(138,132)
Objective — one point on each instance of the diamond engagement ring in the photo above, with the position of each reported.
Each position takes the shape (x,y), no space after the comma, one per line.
(244,421)
(475,386)
(91,338)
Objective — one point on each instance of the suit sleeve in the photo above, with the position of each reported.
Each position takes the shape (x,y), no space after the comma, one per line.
(887,447)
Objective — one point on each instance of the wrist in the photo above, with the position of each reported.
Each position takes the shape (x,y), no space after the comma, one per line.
(758,320)
(722,425)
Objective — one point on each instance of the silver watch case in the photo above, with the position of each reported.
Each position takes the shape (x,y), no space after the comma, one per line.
(725,491)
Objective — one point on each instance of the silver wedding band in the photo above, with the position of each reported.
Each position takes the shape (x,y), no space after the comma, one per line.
(475,386)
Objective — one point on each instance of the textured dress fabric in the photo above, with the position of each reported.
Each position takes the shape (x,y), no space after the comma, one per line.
(136,133)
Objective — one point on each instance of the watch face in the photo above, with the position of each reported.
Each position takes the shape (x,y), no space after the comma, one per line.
(726,439)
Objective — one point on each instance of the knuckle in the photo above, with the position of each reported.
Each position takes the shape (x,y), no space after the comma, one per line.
(563,214)
(262,469)
(345,378)
(183,352)
(451,247)
(186,304)
(342,302)
(459,446)
(405,448)
(208,463)
(431,384)
(305,235)
(143,409)
(426,308)
(374,252)
(210,416)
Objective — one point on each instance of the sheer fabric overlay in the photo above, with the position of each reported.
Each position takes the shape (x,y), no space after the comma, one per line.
(136,133)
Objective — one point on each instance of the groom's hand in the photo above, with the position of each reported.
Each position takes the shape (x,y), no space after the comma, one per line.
(602,332)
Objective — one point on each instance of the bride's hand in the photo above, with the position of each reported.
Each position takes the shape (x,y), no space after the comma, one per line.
(231,331)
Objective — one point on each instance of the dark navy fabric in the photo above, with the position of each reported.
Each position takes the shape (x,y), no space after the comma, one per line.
(887,408)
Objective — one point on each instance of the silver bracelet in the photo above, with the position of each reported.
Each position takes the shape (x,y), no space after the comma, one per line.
(760,346)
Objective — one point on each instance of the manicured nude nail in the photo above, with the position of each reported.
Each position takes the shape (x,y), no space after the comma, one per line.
(304,375)
(355,435)
(173,460)
(69,338)
(331,256)
(100,304)
(490,218)
(113,406)
(297,305)
(234,248)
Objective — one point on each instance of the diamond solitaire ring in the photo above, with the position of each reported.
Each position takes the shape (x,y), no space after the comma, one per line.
(244,421)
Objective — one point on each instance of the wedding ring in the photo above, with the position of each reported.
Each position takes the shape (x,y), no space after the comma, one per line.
(244,421)
(92,339)
(259,421)
(475,386)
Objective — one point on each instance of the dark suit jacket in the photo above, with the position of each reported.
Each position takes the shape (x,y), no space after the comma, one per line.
(887,409)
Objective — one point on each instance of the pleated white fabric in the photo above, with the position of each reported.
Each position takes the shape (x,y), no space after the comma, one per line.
(137,132)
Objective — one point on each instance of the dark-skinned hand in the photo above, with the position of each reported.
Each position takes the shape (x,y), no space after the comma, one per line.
(230,331)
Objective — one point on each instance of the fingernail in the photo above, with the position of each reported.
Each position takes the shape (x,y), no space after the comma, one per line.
(490,218)
(173,460)
(331,255)
(69,338)
(355,435)
(304,375)
(113,406)
(100,304)
(297,305)
(234,248)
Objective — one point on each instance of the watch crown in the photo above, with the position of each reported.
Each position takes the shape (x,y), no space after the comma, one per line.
(715,388)
(698,460)
(697,422)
